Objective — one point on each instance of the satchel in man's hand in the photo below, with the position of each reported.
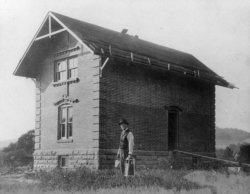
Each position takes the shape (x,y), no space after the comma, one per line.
(117,163)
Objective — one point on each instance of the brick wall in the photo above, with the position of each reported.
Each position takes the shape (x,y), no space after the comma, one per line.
(139,94)
(86,91)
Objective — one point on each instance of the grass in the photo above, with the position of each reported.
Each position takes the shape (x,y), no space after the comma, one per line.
(111,182)
(83,179)
(140,190)
(221,182)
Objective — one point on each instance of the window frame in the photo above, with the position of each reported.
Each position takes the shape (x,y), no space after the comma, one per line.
(58,71)
(67,136)
(60,161)
(68,69)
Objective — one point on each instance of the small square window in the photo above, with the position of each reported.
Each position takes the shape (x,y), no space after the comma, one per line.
(63,161)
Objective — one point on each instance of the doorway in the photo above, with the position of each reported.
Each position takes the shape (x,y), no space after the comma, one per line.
(173,136)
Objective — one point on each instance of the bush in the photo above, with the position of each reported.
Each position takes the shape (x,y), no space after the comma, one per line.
(228,154)
(83,178)
(19,153)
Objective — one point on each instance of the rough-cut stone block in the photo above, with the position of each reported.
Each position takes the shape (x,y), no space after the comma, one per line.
(47,160)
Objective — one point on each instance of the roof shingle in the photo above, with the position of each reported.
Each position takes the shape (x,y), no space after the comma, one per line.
(122,46)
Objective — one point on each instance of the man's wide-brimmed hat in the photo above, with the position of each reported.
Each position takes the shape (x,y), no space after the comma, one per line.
(123,121)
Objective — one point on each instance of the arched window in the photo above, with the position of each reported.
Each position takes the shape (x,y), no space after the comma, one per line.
(65,122)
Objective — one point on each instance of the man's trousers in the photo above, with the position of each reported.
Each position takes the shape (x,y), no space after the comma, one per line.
(123,156)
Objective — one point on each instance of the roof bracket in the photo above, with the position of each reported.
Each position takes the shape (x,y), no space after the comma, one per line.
(110,52)
(132,57)
(103,65)
(102,51)
(195,73)
(149,62)
(198,73)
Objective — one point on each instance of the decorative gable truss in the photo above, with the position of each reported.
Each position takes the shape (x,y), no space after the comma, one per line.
(50,26)
(110,45)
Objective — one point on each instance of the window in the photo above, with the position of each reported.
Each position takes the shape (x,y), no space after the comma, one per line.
(65,123)
(72,72)
(61,71)
(66,69)
(63,161)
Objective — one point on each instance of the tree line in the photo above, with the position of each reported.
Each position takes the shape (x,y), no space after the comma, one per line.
(20,152)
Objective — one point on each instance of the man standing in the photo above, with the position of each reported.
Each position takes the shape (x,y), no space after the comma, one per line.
(126,147)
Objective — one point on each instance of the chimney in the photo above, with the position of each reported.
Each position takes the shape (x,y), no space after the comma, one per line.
(124,31)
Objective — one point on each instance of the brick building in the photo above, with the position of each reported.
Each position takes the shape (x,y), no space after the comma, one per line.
(87,77)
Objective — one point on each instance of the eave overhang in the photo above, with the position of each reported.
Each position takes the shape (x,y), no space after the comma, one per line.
(29,62)
(27,65)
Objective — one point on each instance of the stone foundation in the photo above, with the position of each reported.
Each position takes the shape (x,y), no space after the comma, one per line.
(48,159)
(158,159)
(105,158)
(144,159)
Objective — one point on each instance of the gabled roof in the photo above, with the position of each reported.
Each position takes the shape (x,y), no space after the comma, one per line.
(125,47)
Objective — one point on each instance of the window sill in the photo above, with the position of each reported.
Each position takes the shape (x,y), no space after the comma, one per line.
(65,141)
(70,81)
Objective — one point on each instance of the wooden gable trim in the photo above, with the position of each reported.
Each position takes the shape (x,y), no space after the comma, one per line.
(50,34)
(32,41)
(65,28)
(71,32)
(49,25)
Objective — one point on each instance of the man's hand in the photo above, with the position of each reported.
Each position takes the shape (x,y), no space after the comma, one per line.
(129,157)
(118,155)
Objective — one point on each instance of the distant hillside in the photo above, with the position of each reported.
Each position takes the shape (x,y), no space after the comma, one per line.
(5,143)
(227,136)
(224,137)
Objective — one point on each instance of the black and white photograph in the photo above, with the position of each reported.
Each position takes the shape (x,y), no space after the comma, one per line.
(124,96)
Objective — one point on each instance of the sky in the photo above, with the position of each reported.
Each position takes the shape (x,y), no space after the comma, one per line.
(217,32)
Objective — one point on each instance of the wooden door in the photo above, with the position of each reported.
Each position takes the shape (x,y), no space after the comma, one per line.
(172,130)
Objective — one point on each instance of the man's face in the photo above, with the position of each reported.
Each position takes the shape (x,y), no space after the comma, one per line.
(123,126)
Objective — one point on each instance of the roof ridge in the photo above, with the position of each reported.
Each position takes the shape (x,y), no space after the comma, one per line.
(128,35)
(89,34)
